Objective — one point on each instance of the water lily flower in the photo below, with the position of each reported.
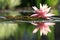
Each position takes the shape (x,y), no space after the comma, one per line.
(42,12)
(43,27)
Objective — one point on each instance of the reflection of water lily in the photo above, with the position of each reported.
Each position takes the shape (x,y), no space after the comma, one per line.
(44,27)
(42,12)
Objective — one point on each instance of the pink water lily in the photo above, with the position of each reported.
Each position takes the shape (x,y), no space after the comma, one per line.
(42,12)
(43,27)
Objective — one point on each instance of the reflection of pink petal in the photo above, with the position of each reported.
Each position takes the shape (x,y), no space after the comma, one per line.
(35,30)
(43,32)
(48,18)
(50,24)
(48,29)
(44,27)
(34,23)
(34,15)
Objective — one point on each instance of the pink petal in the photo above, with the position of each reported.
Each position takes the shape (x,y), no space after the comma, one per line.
(48,9)
(49,14)
(45,6)
(34,15)
(40,6)
(35,8)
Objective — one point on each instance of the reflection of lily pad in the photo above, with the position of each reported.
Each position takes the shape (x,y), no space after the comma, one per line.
(7,29)
(2,4)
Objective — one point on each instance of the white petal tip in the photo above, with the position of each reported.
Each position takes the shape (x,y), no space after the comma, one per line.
(49,14)
(35,8)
